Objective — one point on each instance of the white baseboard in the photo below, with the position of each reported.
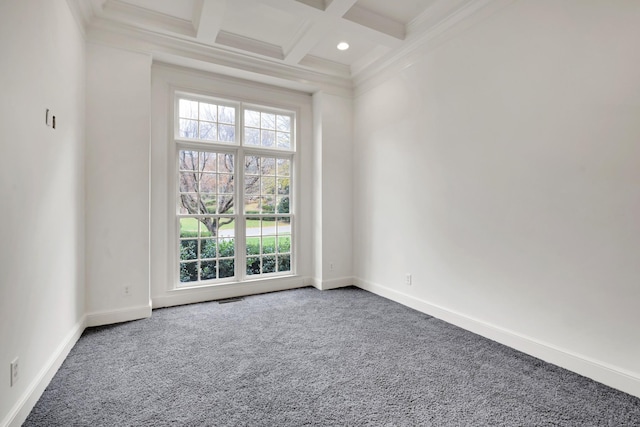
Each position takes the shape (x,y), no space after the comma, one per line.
(108,317)
(603,372)
(27,401)
(325,285)
(210,293)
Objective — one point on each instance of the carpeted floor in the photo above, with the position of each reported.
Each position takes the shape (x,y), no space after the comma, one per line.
(306,357)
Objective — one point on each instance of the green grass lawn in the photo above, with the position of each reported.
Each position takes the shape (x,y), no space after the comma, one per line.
(190,225)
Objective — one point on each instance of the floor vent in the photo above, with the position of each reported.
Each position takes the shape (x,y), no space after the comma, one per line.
(228,300)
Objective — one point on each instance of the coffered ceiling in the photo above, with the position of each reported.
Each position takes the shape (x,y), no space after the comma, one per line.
(295,35)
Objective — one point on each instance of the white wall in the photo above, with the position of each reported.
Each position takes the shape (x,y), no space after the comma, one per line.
(501,170)
(117,184)
(332,190)
(42,193)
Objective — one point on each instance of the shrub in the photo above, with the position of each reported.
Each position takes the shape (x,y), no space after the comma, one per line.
(283,206)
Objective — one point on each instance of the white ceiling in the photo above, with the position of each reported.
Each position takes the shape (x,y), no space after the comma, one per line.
(299,34)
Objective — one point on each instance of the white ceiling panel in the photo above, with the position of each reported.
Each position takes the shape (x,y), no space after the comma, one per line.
(260,22)
(399,11)
(182,9)
(358,47)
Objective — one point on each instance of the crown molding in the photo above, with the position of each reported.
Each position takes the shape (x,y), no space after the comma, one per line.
(79,15)
(124,12)
(300,94)
(332,79)
(250,45)
(424,38)
(326,66)
(85,10)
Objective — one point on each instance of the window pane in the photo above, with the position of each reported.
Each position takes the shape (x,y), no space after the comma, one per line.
(283,123)
(252,184)
(252,204)
(253,265)
(225,163)
(226,268)
(268,185)
(188,250)
(268,226)
(188,203)
(284,244)
(284,167)
(188,109)
(183,200)
(251,136)
(226,114)
(253,246)
(208,270)
(208,131)
(284,140)
(268,138)
(253,227)
(267,205)
(225,182)
(208,183)
(208,248)
(208,112)
(226,233)
(188,182)
(188,271)
(188,160)
(188,227)
(188,128)
(269,245)
(282,204)
(208,227)
(268,166)
(207,161)
(252,118)
(268,121)
(284,225)
(268,264)
(226,133)
(225,204)
(252,165)
(208,203)
(284,263)
(283,186)
(226,247)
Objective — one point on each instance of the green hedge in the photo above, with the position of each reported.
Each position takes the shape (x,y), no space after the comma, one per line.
(226,248)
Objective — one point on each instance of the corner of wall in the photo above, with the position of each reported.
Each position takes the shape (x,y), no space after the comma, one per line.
(20,411)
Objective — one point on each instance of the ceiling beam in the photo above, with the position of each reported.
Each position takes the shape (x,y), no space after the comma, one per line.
(304,41)
(340,7)
(209,20)
(315,30)
(367,25)
(372,20)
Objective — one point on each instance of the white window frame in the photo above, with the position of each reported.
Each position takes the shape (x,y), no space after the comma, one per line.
(240,151)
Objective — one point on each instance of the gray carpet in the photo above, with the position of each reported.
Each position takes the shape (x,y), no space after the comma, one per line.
(306,357)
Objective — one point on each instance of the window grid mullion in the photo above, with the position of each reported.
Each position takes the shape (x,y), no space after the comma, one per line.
(241,230)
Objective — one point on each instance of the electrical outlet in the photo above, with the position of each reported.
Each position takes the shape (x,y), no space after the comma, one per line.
(126,290)
(14,372)
(407,279)
(331,266)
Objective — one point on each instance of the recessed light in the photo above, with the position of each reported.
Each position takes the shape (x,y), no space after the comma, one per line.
(343,46)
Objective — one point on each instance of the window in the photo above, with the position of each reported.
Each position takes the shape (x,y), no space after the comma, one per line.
(218,239)
(206,121)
